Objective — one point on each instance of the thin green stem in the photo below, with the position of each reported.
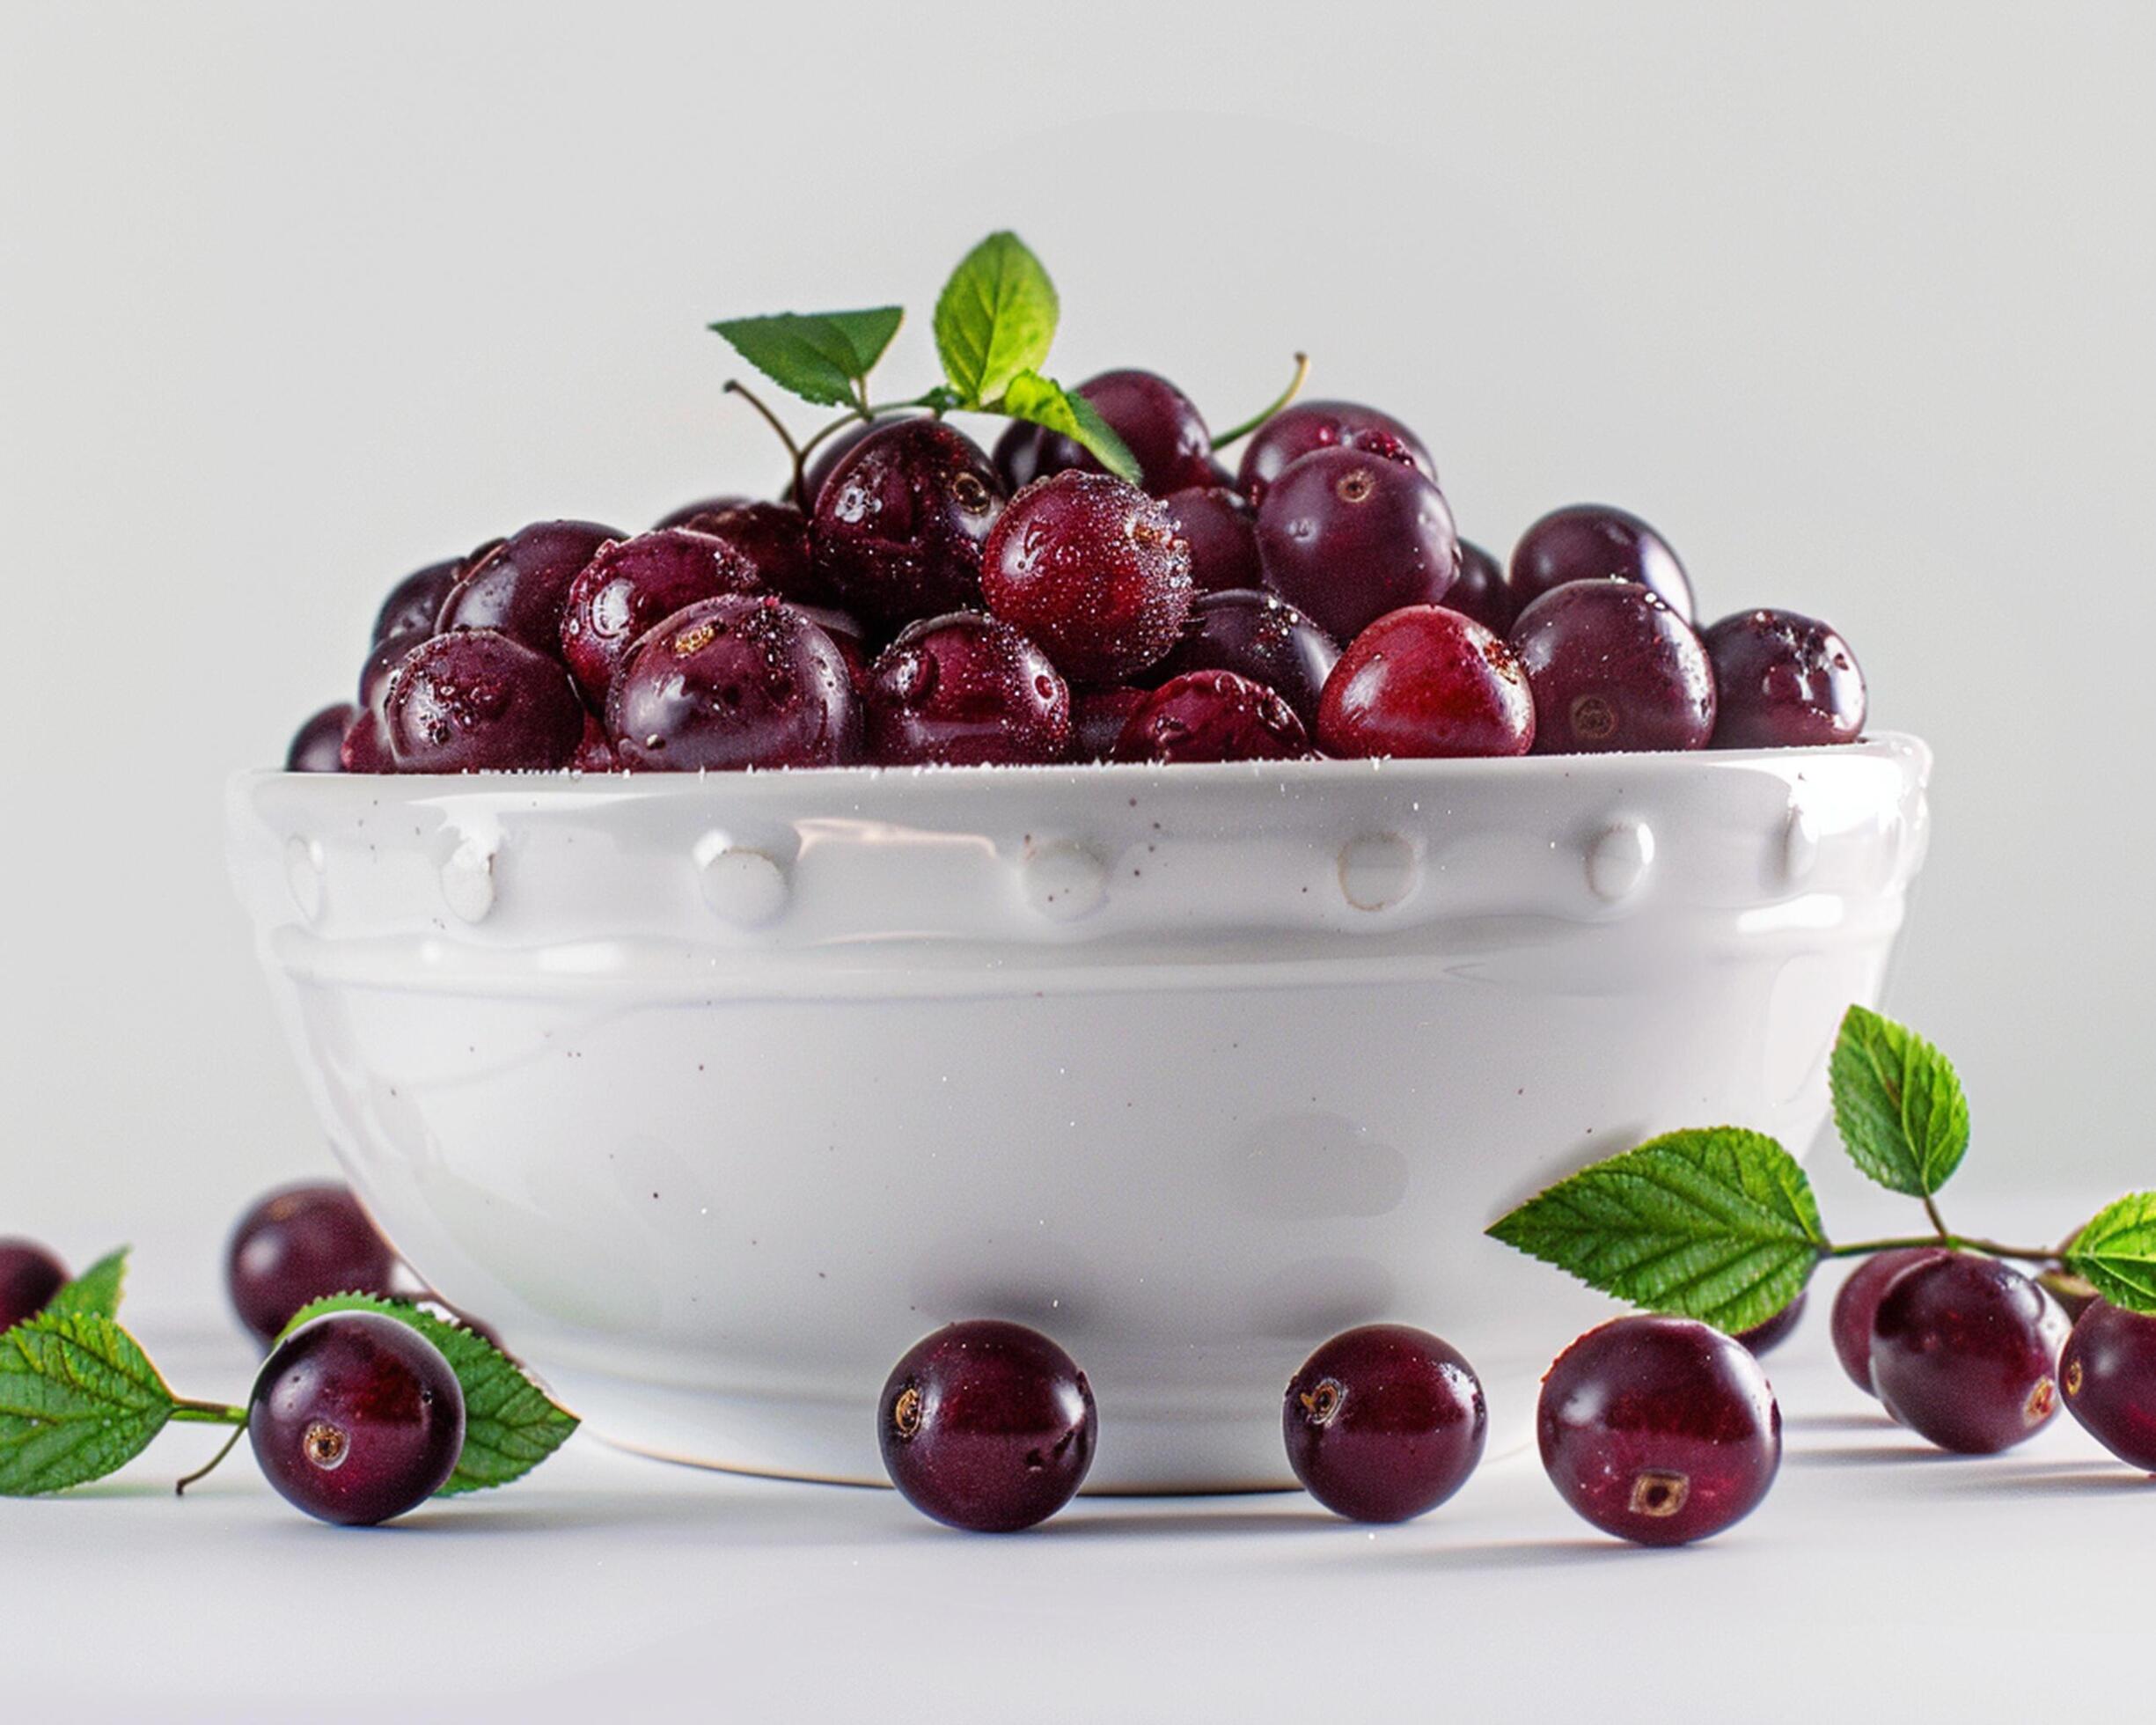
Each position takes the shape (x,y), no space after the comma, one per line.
(208,1414)
(180,1487)
(1294,387)
(1931,1209)
(1959,1242)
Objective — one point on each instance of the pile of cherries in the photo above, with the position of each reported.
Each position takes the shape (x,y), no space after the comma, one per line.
(917,600)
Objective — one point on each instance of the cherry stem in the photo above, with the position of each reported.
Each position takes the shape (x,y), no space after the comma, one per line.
(734,386)
(1294,389)
(1959,1242)
(180,1487)
(208,1414)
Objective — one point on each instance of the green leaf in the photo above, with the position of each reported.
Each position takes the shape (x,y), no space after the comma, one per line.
(1898,1103)
(1717,1223)
(994,319)
(510,1425)
(822,356)
(1043,401)
(98,1289)
(78,1399)
(2117,1253)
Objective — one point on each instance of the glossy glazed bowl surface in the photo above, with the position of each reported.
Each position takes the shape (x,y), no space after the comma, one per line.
(714,1093)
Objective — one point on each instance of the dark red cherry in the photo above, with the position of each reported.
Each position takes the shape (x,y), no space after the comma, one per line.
(900,523)
(848,635)
(298,1244)
(737,681)
(1205,716)
(382,658)
(473,701)
(1347,536)
(633,585)
(595,750)
(1857,1303)
(766,549)
(965,690)
(1613,667)
(1092,569)
(1222,531)
(1098,718)
(1965,1353)
(520,587)
(356,1418)
(1427,681)
(415,602)
(1156,421)
(1594,542)
(987,1426)
(1258,635)
(694,515)
(829,453)
(1762,1339)
(1296,432)
(1783,682)
(1482,591)
(365,748)
(2109,1374)
(318,745)
(1384,1423)
(1016,455)
(1659,1430)
(29,1277)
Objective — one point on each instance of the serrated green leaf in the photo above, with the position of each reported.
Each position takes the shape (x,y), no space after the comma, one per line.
(98,1289)
(1041,400)
(2117,1253)
(1717,1223)
(821,356)
(995,318)
(1898,1103)
(78,1400)
(510,1425)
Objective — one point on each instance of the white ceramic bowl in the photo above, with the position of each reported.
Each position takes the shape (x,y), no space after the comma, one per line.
(715,1093)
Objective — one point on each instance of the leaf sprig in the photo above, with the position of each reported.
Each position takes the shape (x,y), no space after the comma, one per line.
(1721,1224)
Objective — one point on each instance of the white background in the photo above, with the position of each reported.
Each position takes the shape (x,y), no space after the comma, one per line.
(1855,303)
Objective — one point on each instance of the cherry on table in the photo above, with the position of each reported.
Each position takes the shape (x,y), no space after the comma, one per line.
(1427,681)
(520,586)
(900,523)
(2108,1373)
(1347,536)
(965,690)
(1783,682)
(298,1244)
(474,700)
(29,1277)
(1856,1303)
(1384,1422)
(987,1426)
(318,745)
(1764,1338)
(1299,429)
(1258,635)
(1482,591)
(1221,528)
(631,586)
(1965,1353)
(1597,542)
(1659,1430)
(1159,424)
(1091,568)
(738,681)
(1612,668)
(356,1418)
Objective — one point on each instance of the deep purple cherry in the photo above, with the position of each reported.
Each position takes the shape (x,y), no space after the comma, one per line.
(298,1244)
(1297,430)
(1856,1303)
(1965,1353)
(1158,423)
(1098,718)
(29,1277)
(1211,716)
(520,587)
(1258,635)
(900,523)
(1783,682)
(1613,668)
(965,690)
(416,601)
(1221,529)
(633,585)
(1482,591)
(474,700)
(318,745)
(1762,1339)
(1346,537)
(1596,542)
(1384,1422)
(2109,1376)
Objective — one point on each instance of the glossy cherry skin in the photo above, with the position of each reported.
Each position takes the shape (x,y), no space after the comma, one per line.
(416,601)
(1782,681)
(987,1426)
(1659,1430)
(365,748)
(1613,668)
(1304,427)
(1762,1339)
(1098,718)
(1594,542)
(382,658)
(1258,635)
(318,745)
(1222,531)
(737,681)
(1425,681)
(1017,456)
(1092,569)
(1346,537)
(900,523)
(595,748)
(473,701)
(829,453)
(2108,1373)
(520,587)
(1856,1303)
(1482,591)
(1204,716)
(356,1418)
(298,1244)
(694,515)
(1384,1423)
(29,1277)
(1965,1353)
(766,549)
(1157,421)
(632,586)
(963,691)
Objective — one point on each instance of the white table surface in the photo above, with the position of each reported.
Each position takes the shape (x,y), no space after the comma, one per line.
(1878,1579)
